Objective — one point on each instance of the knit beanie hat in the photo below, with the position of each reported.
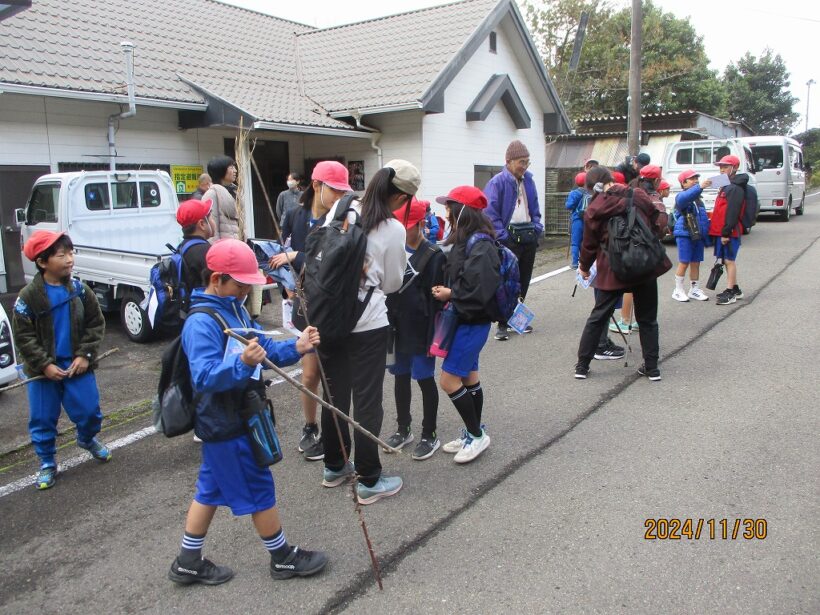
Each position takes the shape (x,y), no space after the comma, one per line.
(516,150)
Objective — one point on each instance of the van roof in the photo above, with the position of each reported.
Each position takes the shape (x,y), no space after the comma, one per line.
(106,175)
(770,140)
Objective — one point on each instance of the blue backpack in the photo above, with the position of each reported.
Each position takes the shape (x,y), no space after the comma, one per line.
(169,287)
(508,291)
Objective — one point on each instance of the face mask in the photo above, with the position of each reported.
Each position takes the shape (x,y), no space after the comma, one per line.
(292,184)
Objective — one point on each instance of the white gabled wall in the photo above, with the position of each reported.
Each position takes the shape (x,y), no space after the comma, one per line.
(452,145)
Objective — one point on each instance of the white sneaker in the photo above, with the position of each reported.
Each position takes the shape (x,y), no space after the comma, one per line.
(680,295)
(454,446)
(472,448)
(697,294)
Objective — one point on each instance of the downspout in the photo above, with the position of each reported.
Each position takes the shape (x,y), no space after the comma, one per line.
(128,50)
(375,136)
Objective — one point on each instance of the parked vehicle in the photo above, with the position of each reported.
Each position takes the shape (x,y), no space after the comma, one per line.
(781,180)
(8,364)
(119,222)
(701,155)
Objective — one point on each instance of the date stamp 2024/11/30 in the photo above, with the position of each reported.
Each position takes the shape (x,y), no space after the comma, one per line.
(712,529)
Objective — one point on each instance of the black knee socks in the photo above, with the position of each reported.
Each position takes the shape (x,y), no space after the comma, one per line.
(401,390)
(478,399)
(429,398)
(463,401)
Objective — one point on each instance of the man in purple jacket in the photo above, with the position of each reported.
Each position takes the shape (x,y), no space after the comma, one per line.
(513,209)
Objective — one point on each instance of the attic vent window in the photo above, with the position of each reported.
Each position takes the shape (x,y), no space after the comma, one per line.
(493,48)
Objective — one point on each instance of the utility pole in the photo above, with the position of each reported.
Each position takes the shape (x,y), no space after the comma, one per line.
(633,139)
(809,83)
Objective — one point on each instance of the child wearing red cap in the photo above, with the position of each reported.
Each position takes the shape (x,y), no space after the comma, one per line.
(224,374)
(412,312)
(690,253)
(472,278)
(577,201)
(58,327)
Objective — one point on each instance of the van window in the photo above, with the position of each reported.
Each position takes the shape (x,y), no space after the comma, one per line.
(150,194)
(125,195)
(684,156)
(703,155)
(42,205)
(796,158)
(768,157)
(96,197)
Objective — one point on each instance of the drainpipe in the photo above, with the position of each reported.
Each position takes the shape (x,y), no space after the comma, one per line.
(375,136)
(128,50)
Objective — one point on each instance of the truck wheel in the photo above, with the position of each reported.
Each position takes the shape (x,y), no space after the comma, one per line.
(134,319)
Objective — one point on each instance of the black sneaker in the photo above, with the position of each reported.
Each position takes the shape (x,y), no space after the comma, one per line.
(653,374)
(316,451)
(298,564)
(310,435)
(426,447)
(737,292)
(726,297)
(609,351)
(201,571)
(502,334)
(400,438)
(581,371)
(528,329)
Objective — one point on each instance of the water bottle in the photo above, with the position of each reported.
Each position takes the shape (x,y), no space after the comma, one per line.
(444,332)
(258,415)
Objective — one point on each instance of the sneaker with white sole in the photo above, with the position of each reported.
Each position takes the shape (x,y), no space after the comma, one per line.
(402,437)
(502,334)
(697,294)
(680,295)
(98,450)
(45,477)
(726,297)
(425,448)
(581,371)
(653,374)
(201,571)
(609,351)
(334,478)
(472,448)
(384,488)
(737,292)
(298,563)
(454,446)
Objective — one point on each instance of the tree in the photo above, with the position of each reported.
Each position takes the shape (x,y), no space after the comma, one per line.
(810,140)
(675,69)
(759,95)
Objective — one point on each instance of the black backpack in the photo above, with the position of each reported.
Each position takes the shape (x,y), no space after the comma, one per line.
(634,250)
(751,208)
(168,284)
(174,408)
(334,261)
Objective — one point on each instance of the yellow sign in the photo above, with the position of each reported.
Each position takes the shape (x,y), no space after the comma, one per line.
(186,179)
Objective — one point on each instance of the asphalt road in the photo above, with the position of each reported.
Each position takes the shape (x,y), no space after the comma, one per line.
(550,520)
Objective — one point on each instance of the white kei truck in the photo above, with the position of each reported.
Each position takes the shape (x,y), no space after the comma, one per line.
(119,222)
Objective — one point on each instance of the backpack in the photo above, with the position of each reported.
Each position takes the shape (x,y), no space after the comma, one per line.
(169,287)
(334,261)
(585,199)
(634,251)
(508,291)
(174,407)
(748,216)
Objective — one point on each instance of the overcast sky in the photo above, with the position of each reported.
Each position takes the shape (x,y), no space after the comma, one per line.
(789,27)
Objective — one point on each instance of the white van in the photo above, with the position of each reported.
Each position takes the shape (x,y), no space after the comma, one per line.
(119,222)
(781,181)
(701,155)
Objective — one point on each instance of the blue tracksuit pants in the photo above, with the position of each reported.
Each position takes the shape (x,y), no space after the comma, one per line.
(576,235)
(81,400)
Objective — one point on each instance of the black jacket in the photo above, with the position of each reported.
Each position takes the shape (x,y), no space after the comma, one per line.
(473,280)
(412,311)
(194,259)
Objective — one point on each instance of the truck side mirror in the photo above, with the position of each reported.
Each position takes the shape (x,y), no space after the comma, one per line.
(20,217)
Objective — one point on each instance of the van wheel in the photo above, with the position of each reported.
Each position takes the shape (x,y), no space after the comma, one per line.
(799,210)
(134,319)
(787,215)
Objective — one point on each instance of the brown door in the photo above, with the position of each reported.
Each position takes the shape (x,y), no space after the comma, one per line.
(15,187)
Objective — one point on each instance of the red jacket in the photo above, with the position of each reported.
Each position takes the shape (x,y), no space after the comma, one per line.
(601,208)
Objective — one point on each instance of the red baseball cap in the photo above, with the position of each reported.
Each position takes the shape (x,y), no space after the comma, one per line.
(580,179)
(416,215)
(650,171)
(235,258)
(664,185)
(39,242)
(192,211)
(687,174)
(729,160)
(618,177)
(466,195)
(332,173)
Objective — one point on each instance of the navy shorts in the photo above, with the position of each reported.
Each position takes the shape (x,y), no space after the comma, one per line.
(729,251)
(467,344)
(419,366)
(689,251)
(229,476)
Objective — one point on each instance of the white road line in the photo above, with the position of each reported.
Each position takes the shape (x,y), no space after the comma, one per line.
(28,481)
(550,274)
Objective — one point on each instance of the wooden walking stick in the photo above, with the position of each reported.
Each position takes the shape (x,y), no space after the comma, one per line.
(107,353)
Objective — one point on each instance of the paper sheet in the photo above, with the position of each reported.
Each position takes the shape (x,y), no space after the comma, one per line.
(720,180)
(593,273)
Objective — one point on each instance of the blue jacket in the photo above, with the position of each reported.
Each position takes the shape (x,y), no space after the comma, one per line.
(502,194)
(575,200)
(431,224)
(222,380)
(686,200)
